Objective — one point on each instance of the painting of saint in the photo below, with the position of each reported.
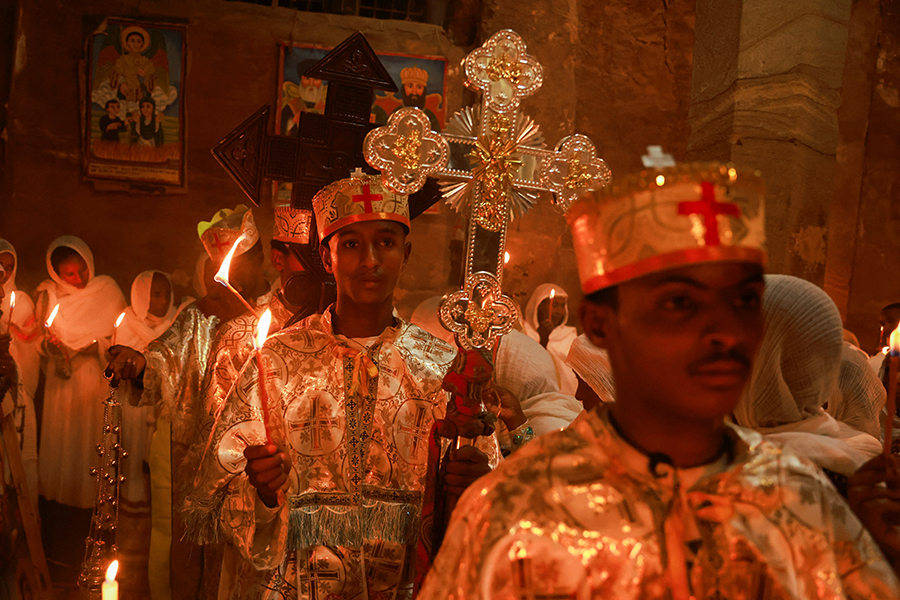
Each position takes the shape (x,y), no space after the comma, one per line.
(135,106)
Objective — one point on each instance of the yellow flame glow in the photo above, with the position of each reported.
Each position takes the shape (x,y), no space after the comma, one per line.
(112,570)
(505,257)
(222,274)
(552,294)
(119,320)
(660,180)
(12,301)
(262,330)
(895,341)
(52,316)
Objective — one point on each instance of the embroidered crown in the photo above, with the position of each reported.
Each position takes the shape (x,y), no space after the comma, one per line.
(360,197)
(663,218)
(414,75)
(219,234)
(292,225)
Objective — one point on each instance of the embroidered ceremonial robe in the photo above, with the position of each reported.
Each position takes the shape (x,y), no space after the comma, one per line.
(176,363)
(356,424)
(579,514)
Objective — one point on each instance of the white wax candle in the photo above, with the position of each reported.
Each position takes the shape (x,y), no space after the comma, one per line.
(110,588)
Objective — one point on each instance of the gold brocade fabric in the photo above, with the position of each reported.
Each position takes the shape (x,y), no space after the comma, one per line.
(578,514)
(356,422)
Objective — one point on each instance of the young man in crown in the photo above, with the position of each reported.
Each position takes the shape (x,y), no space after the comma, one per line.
(168,376)
(330,505)
(655,495)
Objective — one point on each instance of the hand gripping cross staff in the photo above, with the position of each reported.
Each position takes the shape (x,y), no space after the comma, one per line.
(504,169)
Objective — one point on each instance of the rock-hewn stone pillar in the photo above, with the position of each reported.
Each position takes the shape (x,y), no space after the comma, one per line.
(765,94)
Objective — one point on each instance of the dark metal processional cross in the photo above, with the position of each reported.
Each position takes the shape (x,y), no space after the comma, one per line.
(507,166)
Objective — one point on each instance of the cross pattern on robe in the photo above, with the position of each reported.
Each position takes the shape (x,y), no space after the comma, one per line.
(315,573)
(504,161)
(366,197)
(709,209)
(313,421)
(381,565)
(414,427)
(524,582)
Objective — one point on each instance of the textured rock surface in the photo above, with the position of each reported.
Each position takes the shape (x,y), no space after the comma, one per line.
(765,94)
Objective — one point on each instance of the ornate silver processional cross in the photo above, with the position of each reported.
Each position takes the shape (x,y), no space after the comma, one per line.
(492,162)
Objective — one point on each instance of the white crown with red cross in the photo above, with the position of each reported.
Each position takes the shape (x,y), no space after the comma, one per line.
(663,218)
(358,198)
(219,234)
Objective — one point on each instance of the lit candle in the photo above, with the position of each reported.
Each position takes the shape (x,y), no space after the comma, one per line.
(110,588)
(222,274)
(505,257)
(12,305)
(552,294)
(52,317)
(893,363)
(116,328)
(262,331)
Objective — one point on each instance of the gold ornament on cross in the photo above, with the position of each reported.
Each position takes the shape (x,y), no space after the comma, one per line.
(492,163)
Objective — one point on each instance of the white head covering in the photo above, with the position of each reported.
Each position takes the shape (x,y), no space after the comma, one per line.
(796,373)
(139,327)
(862,395)
(24,308)
(87,314)
(541,293)
(592,365)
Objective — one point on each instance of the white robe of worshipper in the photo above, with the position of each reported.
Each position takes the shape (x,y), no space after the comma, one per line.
(862,395)
(523,367)
(73,407)
(796,374)
(137,330)
(560,339)
(592,364)
(23,348)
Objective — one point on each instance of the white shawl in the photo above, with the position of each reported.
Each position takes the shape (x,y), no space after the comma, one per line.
(139,327)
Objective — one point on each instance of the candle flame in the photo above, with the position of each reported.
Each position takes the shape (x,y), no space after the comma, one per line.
(262,330)
(119,320)
(222,274)
(552,294)
(660,180)
(112,570)
(886,349)
(895,342)
(505,257)
(52,316)
(12,301)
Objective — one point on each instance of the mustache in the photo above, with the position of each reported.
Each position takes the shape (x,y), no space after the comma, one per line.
(737,355)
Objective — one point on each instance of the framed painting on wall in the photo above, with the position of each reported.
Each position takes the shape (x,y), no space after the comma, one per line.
(134,122)
(421,81)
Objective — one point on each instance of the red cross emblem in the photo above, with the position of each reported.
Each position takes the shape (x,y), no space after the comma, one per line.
(710,209)
(366,197)
(218,244)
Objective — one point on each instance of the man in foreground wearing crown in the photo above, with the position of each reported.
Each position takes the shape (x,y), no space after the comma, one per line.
(655,495)
(168,376)
(330,505)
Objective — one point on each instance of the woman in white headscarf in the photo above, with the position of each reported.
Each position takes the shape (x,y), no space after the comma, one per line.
(546,315)
(796,374)
(20,323)
(151,313)
(862,395)
(75,388)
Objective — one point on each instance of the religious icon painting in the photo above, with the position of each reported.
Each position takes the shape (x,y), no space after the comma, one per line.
(421,81)
(134,128)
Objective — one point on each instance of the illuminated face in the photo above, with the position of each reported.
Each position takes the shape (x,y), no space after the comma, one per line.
(366,260)
(552,312)
(160,295)
(74,271)
(8,263)
(134,42)
(147,109)
(682,342)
